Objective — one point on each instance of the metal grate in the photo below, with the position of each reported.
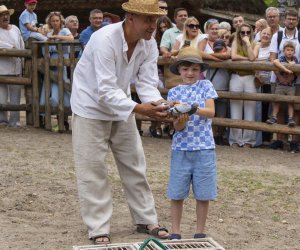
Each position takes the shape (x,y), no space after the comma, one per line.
(188,244)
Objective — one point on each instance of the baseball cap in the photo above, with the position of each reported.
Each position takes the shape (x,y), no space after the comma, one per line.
(30,1)
(219,44)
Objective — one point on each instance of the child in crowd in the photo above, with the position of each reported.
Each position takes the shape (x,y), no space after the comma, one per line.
(193,149)
(285,82)
(28,23)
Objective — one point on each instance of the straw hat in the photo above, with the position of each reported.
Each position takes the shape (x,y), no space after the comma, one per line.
(3,8)
(144,7)
(188,54)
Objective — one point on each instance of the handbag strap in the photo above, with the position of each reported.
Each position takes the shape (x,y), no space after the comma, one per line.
(213,75)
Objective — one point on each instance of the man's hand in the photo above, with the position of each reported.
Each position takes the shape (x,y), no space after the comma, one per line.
(151,110)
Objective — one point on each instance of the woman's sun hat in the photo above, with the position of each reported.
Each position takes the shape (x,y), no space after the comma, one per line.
(188,54)
(144,7)
(3,8)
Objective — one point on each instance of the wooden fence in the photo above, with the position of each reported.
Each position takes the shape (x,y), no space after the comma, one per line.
(39,68)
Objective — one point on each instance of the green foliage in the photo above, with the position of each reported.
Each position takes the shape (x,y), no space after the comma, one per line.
(273,3)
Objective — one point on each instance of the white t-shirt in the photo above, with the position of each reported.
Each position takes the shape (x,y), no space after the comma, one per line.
(11,38)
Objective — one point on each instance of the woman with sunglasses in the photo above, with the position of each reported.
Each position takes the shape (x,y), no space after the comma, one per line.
(225,35)
(191,36)
(55,22)
(243,48)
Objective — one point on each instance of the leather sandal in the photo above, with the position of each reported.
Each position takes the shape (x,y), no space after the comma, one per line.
(142,228)
(101,236)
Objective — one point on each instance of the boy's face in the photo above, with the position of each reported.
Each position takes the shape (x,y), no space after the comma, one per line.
(30,6)
(289,52)
(189,74)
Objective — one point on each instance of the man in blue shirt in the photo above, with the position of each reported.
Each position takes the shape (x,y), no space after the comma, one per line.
(96,19)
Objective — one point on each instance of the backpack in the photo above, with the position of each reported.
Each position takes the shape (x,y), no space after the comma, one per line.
(280,35)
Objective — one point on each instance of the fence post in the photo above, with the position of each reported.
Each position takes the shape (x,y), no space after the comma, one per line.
(28,91)
(35,85)
(60,83)
(47,86)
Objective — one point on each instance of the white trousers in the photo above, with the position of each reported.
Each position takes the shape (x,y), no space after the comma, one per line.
(91,141)
(10,94)
(242,110)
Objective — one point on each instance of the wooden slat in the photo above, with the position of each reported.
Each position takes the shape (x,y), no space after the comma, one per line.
(15,53)
(35,86)
(14,80)
(47,86)
(28,91)
(61,112)
(231,123)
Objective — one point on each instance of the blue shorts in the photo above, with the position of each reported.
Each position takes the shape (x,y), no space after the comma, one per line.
(196,167)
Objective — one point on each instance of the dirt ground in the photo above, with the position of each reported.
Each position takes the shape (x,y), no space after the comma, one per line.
(258,204)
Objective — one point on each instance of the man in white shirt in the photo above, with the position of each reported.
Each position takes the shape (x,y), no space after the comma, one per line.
(104,117)
(10,37)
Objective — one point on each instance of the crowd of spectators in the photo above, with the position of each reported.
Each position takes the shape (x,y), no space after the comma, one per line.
(216,40)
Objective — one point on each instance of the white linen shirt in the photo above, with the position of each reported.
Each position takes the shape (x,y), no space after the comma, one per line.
(101,82)
(11,38)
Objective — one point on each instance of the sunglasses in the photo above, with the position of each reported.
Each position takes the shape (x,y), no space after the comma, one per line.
(248,32)
(225,37)
(163,8)
(193,26)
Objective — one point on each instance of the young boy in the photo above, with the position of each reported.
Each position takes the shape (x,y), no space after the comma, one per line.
(285,82)
(28,22)
(193,148)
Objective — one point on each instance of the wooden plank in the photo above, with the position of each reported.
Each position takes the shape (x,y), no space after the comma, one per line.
(60,75)
(246,96)
(15,53)
(11,107)
(72,61)
(47,86)
(15,80)
(231,123)
(35,86)
(28,92)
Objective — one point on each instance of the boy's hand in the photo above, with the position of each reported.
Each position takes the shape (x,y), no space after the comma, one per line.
(183,118)
(180,121)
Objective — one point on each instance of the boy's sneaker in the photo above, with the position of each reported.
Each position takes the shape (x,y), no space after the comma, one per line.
(272,120)
(294,147)
(291,122)
(277,144)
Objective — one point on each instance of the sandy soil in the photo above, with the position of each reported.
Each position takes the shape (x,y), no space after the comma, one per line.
(258,205)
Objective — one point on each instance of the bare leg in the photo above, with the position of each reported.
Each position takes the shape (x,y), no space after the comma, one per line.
(176,214)
(275,109)
(201,212)
(291,110)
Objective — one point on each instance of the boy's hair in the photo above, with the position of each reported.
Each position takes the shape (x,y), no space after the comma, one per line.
(289,44)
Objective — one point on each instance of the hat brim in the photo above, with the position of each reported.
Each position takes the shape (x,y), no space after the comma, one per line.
(140,11)
(10,11)
(219,47)
(174,66)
